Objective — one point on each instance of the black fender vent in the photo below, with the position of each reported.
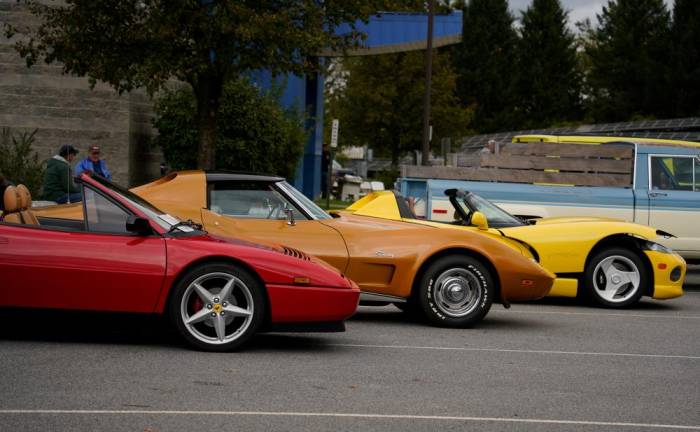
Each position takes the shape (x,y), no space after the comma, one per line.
(296,253)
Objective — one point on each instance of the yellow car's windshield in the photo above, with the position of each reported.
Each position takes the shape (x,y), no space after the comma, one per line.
(497,217)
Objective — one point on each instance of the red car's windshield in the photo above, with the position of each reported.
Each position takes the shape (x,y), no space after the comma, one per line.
(164,220)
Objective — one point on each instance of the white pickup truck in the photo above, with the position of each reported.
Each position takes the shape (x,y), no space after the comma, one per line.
(651,182)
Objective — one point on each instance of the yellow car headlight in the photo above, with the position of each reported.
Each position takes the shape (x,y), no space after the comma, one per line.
(656,247)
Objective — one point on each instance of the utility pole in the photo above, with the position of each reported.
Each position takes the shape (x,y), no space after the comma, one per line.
(428,78)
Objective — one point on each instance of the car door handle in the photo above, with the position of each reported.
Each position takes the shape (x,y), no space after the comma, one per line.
(657,194)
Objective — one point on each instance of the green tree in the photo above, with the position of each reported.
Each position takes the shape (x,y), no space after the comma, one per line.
(255,134)
(629,55)
(379,101)
(549,83)
(685,33)
(485,64)
(19,163)
(146,43)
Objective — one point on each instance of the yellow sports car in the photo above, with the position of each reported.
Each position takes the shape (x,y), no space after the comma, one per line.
(611,262)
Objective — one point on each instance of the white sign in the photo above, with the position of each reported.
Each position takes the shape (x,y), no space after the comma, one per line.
(354,152)
(334,133)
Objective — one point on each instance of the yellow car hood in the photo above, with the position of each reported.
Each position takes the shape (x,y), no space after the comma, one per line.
(594,229)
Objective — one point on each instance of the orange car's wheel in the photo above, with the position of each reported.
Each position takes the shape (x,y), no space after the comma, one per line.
(456,291)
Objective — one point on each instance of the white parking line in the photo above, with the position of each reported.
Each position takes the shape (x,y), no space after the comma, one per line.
(626,315)
(352,415)
(581,353)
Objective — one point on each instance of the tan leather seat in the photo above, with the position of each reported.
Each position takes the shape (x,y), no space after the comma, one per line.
(25,202)
(11,200)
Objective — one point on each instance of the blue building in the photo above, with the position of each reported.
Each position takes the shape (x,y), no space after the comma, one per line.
(386,33)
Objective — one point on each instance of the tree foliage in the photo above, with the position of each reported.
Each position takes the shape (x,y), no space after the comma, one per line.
(634,62)
(19,163)
(485,64)
(255,134)
(629,54)
(145,43)
(685,75)
(549,83)
(380,102)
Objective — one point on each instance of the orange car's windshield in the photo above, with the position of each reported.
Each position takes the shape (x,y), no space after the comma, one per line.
(315,211)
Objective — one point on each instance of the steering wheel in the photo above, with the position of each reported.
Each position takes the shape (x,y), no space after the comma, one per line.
(457,219)
(274,209)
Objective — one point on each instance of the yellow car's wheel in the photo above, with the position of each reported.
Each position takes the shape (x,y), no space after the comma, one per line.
(455,291)
(615,278)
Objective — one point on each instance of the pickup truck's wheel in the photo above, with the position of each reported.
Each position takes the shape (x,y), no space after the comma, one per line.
(615,278)
(217,307)
(455,291)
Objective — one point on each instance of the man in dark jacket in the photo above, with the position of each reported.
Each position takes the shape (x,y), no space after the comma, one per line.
(58,181)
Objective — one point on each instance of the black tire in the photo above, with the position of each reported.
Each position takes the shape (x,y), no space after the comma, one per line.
(600,285)
(246,297)
(455,291)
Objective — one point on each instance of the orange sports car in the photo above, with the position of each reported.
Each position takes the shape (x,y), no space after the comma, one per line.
(451,277)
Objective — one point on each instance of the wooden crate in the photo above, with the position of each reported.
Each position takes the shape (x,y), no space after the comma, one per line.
(565,164)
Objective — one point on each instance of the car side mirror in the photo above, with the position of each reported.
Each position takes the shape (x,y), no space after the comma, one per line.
(138,225)
(290,215)
(480,221)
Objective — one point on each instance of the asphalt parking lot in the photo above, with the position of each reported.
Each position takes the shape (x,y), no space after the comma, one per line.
(548,366)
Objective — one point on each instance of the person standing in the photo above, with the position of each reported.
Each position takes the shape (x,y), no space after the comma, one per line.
(93,163)
(58,181)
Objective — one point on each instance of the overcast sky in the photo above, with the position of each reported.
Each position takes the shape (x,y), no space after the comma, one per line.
(578,9)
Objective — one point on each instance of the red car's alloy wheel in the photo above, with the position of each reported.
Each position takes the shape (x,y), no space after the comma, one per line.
(217,307)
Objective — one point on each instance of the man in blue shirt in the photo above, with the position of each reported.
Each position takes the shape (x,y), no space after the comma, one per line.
(93,163)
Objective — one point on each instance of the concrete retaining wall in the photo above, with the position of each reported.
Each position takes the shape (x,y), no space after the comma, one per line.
(64,110)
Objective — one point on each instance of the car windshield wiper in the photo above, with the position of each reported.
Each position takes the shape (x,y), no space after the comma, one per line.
(189,223)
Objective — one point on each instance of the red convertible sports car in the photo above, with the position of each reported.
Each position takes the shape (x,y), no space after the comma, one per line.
(126,255)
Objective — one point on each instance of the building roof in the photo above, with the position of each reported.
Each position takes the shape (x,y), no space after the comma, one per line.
(391,32)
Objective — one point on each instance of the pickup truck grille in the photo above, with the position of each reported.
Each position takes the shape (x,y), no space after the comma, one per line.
(296,253)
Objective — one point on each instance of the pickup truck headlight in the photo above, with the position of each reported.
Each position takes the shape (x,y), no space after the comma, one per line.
(656,247)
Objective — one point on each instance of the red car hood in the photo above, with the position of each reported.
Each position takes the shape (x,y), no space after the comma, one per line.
(273,247)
